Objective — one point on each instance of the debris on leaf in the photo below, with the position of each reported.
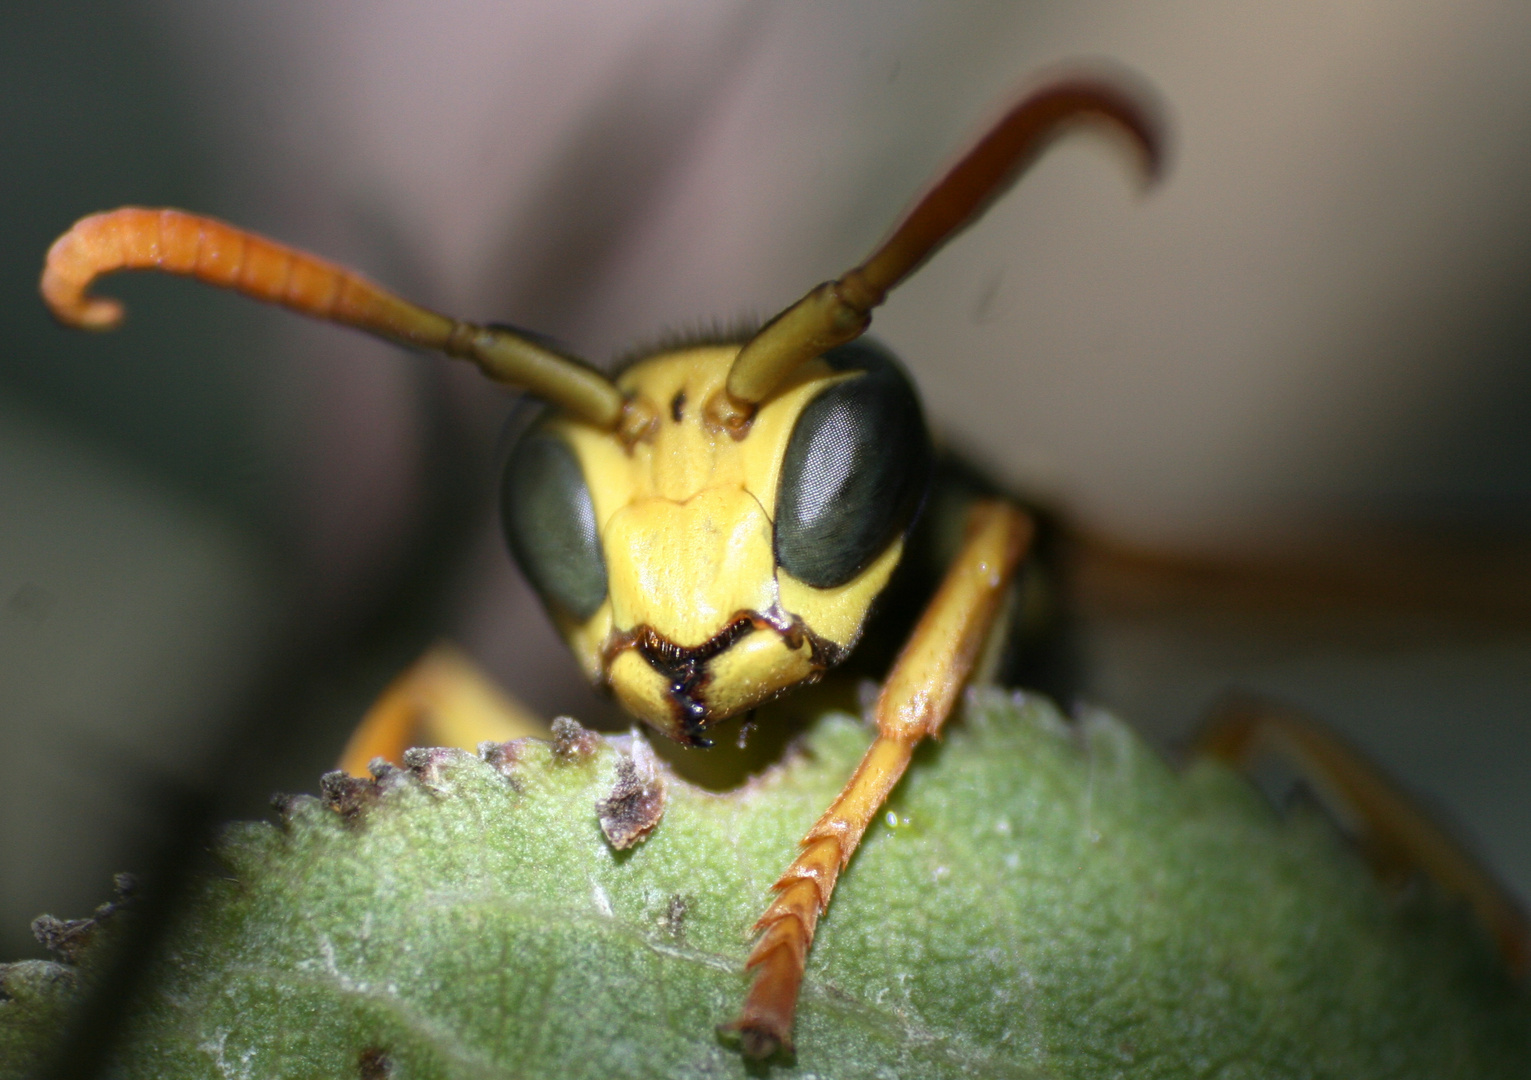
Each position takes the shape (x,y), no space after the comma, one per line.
(502,756)
(572,741)
(345,794)
(637,799)
(374,1064)
(673,920)
(68,939)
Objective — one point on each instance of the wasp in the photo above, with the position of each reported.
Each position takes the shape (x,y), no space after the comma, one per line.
(711,528)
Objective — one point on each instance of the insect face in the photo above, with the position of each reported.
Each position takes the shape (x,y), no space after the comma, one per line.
(697,571)
(712,527)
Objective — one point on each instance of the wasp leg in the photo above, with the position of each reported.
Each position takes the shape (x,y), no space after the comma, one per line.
(916,699)
(1395,835)
(442,699)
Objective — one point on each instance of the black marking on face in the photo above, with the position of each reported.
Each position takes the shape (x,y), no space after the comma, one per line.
(854,472)
(684,668)
(678,406)
(822,653)
(549,520)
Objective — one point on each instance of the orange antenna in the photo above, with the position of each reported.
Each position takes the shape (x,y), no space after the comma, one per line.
(840,311)
(173,241)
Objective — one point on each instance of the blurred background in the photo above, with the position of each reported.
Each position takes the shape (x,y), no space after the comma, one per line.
(1284,396)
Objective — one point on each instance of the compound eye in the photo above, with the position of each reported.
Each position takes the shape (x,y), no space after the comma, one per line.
(854,472)
(550,522)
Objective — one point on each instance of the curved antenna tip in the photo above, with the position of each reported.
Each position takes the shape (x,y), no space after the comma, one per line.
(1122,99)
(69,270)
(95,313)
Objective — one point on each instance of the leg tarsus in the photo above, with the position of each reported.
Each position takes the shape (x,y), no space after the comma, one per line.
(764,1028)
(916,700)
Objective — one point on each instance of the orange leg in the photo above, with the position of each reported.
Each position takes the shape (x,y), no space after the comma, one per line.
(917,698)
(443,699)
(1391,830)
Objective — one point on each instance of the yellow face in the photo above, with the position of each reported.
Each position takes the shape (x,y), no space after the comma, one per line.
(699,619)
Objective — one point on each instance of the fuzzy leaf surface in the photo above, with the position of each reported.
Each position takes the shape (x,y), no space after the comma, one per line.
(1047,900)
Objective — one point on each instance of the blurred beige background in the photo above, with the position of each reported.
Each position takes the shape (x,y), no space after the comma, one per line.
(1307,349)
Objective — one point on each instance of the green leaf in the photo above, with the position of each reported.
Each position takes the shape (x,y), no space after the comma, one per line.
(1046,899)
